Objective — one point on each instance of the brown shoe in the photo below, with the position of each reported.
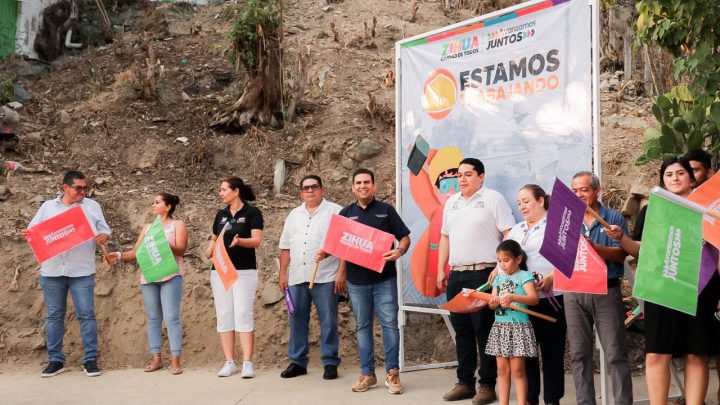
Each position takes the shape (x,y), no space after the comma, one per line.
(364,383)
(460,391)
(392,381)
(485,395)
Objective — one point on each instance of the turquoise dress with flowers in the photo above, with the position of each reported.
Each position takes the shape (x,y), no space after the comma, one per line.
(512,333)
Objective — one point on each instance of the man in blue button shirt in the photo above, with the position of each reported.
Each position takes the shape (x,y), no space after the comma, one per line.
(73,271)
(606,312)
(369,289)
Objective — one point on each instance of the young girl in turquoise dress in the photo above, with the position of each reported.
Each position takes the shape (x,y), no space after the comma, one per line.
(512,338)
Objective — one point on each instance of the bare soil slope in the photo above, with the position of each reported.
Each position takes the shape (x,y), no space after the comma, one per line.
(87,115)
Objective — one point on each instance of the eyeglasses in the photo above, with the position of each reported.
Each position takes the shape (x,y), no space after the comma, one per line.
(80,189)
(310,187)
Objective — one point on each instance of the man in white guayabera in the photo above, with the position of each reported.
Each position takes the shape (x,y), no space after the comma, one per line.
(73,271)
(604,311)
(302,236)
(369,289)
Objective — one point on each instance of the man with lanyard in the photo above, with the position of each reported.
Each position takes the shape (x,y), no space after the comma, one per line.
(73,271)
(475,221)
(369,289)
(302,236)
(605,312)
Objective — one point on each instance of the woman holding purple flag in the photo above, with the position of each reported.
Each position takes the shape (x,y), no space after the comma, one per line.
(669,332)
(533,204)
(162,298)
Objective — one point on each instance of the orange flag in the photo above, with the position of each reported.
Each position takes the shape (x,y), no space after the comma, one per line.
(222,262)
(708,195)
(466,301)
(589,275)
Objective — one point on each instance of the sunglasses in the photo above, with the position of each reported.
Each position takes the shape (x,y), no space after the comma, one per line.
(80,189)
(310,187)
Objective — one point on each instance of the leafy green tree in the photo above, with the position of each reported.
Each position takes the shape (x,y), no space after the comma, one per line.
(689,114)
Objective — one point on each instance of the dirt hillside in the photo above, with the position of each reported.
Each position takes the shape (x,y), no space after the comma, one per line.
(86,115)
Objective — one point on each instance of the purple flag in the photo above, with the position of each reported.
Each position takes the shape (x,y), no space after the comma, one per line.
(708,265)
(562,232)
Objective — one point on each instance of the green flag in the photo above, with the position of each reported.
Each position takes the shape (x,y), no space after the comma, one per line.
(154,255)
(667,272)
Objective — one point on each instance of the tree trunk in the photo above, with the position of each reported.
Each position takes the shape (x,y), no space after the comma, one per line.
(261,101)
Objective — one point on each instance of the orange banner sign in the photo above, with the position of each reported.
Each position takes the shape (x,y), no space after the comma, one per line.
(708,195)
(223,265)
(357,243)
(589,275)
(59,234)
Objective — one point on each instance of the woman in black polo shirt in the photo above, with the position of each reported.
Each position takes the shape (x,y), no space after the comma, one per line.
(243,225)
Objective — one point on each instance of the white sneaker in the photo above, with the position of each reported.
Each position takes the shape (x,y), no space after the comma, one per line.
(228,369)
(248,370)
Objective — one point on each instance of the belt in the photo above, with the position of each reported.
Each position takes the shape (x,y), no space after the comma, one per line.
(615,282)
(474,267)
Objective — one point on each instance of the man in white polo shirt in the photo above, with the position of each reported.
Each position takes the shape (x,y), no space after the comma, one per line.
(302,237)
(475,221)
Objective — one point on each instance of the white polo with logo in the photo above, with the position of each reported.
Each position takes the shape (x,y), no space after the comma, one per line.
(474,226)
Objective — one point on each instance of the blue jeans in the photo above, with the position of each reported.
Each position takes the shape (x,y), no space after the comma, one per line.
(162,301)
(383,297)
(326,303)
(82,289)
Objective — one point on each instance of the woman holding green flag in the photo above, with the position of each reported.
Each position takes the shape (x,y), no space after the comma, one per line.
(163,296)
(669,332)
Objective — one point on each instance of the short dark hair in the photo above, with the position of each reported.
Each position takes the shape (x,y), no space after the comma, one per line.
(475,163)
(71,176)
(236,183)
(514,249)
(170,199)
(311,177)
(701,156)
(682,161)
(364,171)
(538,193)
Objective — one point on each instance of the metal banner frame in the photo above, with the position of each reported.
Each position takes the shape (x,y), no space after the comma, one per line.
(595,110)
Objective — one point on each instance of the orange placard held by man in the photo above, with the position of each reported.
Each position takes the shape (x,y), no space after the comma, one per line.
(223,265)
(59,234)
(357,243)
(708,195)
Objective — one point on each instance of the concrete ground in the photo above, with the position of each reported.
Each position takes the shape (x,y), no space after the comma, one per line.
(202,386)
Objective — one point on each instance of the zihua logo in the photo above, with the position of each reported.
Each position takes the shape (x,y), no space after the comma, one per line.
(356,242)
(153,251)
(458,49)
(518,33)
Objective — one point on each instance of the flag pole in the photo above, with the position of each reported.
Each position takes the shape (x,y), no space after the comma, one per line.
(104,249)
(661,192)
(314,273)
(487,297)
(597,216)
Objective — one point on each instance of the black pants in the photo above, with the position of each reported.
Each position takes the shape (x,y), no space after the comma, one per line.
(472,330)
(551,339)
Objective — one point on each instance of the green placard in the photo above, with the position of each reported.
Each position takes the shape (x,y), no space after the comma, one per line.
(154,255)
(669,264)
